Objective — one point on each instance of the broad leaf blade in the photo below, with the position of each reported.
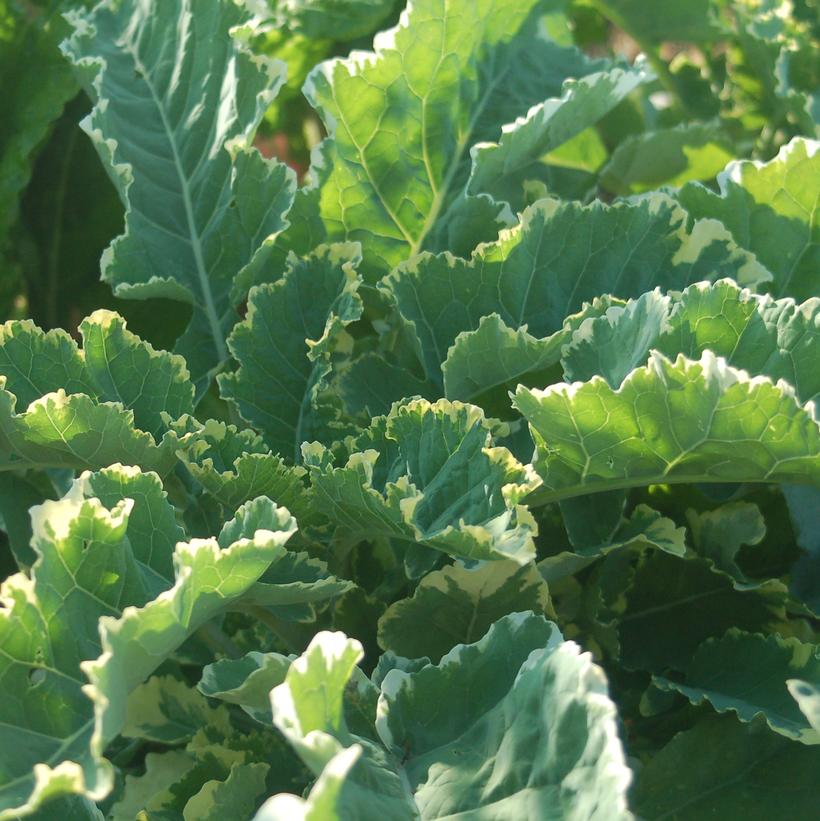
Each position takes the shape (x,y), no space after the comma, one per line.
(682,421)
(283,346)
(771,210)
(746,673)
(181,160)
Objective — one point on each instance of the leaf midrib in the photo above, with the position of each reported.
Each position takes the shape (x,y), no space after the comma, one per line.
(193,238)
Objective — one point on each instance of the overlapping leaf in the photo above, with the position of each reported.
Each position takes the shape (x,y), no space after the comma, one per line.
(770,209)
(775,338)
(747,674)
(451,733)
(497,317)
(284,346)
(403,120)
(178,102)
(681,421)
(62,407)
(428,474)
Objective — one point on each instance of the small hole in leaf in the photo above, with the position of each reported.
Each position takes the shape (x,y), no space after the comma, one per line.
(232,203)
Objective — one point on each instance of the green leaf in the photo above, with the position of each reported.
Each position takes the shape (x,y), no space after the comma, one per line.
(670,605)
(246,682)
(153,531)
(454,732)
(127,370)
(236,466)
(428,474)
(36,83)
(372,384)
(774,338)
(458,605)
(237,796)
(553,699)
(284,345)
(150,792)
(694,22)
(199,199)
(500,169)
(165,710)
(725,769)
(324,802)
(88,573)
(644,528)
(669,422)
(669,156)
(561,255)
(333,19)
(403,119)
(770,210)
(746,673)
(18,493)
(62,407)
(719,534)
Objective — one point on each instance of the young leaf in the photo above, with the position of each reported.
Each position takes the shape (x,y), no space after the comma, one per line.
(236,466)
(501,169)
(246,682)
(670,156)
(669,605)
(427,474)
(452,732)
(177,104)
(324,802)
(63,407)
(89,573)
(775,338)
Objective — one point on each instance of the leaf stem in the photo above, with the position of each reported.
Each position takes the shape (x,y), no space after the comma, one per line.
(218,641)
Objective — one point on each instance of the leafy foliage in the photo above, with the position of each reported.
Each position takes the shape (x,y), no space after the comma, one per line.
(473,470)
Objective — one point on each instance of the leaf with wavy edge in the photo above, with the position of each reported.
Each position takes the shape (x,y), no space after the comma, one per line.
(284,345)
(667,156)
(668,422)
(501,168)
(644,528)
(428,474)
(775,338)
(771,210)
(458,605)
(530,278)
(235,466)
(458,737)
(403,118)
(61,406)
(95,565)
(746,673)
(324,802)
(246,682)
(177,103)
